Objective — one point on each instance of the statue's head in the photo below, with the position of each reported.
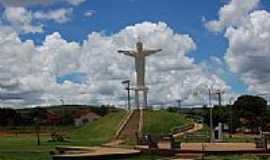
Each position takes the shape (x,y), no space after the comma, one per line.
(139,46)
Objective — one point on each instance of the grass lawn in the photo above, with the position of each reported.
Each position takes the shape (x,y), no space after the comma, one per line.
(240,138)
(24,156)
(162,122)
(202,135)
(24,147)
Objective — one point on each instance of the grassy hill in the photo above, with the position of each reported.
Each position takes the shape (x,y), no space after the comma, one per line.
(162,122)
(102,130)
(99,131)
(23,147)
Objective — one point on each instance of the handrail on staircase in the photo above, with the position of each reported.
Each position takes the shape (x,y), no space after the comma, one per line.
(123,124)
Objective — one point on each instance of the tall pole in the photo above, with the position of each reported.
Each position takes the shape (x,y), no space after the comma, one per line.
(219,93)
(137,99)
(231,116)
(179,102)
(145,92)
(211,115)
(219,98)
(128,90)
(37,129)
(62,102)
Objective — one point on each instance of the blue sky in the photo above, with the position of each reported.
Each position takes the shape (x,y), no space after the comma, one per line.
(65,23)
(112,16)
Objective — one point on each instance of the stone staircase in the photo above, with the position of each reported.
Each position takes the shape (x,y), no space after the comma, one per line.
(123,124)
(131,126)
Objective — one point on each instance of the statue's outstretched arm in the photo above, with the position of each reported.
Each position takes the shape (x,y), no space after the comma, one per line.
(128,53)
(150,52)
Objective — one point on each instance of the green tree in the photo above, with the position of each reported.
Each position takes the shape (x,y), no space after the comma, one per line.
(67,118)
(172,109)
(7,117)
(251,110)
(220,114)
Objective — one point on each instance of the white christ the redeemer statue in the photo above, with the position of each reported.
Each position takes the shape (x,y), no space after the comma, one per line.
(139,54)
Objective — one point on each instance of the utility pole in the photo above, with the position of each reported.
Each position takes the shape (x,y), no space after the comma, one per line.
(128,90)
(62,102)
(211,115)
(231,116)
(219,98)
(179,103)
(37,129)
(219,93)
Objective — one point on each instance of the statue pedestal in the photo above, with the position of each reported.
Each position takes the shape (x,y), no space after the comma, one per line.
(140,106)
(141,91)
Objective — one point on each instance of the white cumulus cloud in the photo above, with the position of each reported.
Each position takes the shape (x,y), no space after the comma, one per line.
(29,73)
(23,3)
(232,14)
(248,32)
(61,15)
(21,19)
(248,52)
(75,2)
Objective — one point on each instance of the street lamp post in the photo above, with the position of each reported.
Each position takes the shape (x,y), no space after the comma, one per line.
(128,91)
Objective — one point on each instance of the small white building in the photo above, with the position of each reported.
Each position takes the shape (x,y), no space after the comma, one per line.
(84,119)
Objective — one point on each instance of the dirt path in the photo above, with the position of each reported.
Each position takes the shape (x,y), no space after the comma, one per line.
(196,127)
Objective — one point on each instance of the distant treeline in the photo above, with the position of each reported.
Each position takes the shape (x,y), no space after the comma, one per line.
(56,115)
(247,112)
